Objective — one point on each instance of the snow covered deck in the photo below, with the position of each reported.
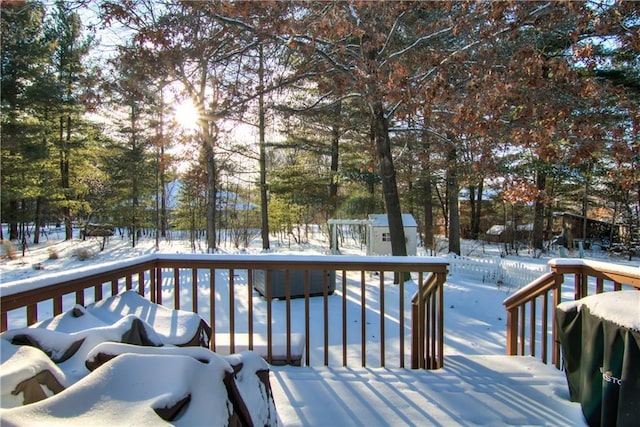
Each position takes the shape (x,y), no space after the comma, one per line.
(469,390)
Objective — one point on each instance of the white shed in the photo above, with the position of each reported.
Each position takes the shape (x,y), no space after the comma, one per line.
(380,238)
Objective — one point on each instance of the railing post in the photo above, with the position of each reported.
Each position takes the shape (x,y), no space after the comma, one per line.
(158,286)
(382,332)
(545,327)
(363,319)
(557,299)
(417,328)
(441,278)
(512,331)
(580,285)
(212,307)
(32,314)
(427,322)
(401,331)
(344,316)
(176,288)
(532,329)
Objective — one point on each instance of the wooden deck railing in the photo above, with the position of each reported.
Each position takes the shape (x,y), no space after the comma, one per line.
(427,340)
(193,282)
(531,318)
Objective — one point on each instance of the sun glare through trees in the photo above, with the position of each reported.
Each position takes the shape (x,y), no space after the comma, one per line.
(469,114)
(186,114)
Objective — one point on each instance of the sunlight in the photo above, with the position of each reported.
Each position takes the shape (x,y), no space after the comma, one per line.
(186,114)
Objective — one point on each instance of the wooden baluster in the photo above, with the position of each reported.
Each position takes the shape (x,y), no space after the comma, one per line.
(344,318)
(545,325)
(269,318)
(97,293)
(32,314)
(599,285)
(363,319)
(532,328)
(325,301)
(159,286)
(557,299)
(433,325)
(57,305)
(441,279)
(141,283)
(250,307)
(522,336)
(176,288)
(382,332)
(232,314)
(212,307)
(512,331)
(307,329)
(194,290)
(401,314)
(287,297)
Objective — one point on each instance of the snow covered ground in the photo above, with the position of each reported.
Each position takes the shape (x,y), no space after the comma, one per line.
(477,386)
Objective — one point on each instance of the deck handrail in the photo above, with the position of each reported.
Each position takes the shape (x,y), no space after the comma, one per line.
(149,275)
(428,324)
(542,324)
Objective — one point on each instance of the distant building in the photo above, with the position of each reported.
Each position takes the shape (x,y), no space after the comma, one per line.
(378,235)
(568,230)
(380,241)
(574,229)
(499,233)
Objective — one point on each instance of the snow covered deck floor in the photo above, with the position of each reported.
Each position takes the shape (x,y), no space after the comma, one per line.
(469,390)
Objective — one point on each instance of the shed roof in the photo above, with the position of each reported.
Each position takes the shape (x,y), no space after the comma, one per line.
(495,230)
(381,220)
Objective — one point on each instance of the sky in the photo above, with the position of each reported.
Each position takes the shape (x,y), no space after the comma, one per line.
(129,386)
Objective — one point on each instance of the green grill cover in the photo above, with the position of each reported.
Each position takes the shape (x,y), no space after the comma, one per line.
(602,365)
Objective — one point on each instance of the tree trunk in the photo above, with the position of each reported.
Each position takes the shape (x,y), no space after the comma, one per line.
(585,209)
(476,212)
(12,219)
(162,214)
(333,184)
(514,227)
(548,215)
(38,220)
(163,200)
(472,212)
(613,223)
(335,142)
(638,207)
(452,197)
(134,178)
(428,211)
(427,194)
(264,202)
(380,128)
(211,196)
(65,148)
(538,212)
(444,205)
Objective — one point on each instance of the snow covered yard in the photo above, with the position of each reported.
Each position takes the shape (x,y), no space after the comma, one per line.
(478,385)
